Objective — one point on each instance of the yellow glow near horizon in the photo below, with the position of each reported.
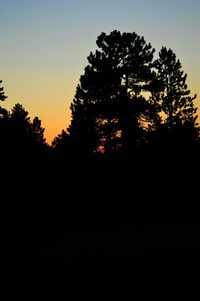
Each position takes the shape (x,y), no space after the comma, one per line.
(49,96)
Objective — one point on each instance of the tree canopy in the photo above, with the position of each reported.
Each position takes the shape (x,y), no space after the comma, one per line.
(18,134)
(125,98)
(172,99)
(109,107)
(2,94)
(124,93)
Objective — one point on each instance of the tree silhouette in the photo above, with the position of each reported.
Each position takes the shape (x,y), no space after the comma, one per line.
(24,136)
(172,98)
(17,133)
(62,144)
(20,127)
(2,95)
(109,108)
(4,118)
(3,112)
(37,132)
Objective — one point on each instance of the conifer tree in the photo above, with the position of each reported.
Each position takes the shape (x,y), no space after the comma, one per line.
(108,106)
(61,142)
(173,99)
(25,135)
(3,112)
(4,116)
(37,131)
(2,95)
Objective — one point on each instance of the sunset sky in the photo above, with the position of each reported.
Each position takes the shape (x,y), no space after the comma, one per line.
(45,44)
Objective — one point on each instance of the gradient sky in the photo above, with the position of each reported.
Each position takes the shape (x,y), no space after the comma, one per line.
(45,44)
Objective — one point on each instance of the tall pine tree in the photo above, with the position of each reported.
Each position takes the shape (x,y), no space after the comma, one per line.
(3,112)
(4,116)
(2,95)
(109,106)
(173,100)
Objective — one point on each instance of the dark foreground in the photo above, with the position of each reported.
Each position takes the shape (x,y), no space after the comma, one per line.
(101,233)
(162,262)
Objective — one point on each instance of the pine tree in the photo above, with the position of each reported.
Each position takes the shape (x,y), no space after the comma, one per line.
(61,143)
(2,95)
(25,135)
(37,132)
(108,107)
(173,98)
(177,126)
(4,116)
(3,112)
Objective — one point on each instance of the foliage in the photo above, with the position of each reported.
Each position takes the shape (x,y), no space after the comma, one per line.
(172,99)
(109,107)
(61,143)
(37,131)
(2,95)
(18,134)
(3,112)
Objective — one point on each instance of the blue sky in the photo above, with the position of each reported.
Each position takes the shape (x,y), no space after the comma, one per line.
(45,44)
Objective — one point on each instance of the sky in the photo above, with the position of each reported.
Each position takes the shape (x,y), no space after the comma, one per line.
(45,44)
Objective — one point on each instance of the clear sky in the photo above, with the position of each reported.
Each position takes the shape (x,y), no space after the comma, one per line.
(45,44)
